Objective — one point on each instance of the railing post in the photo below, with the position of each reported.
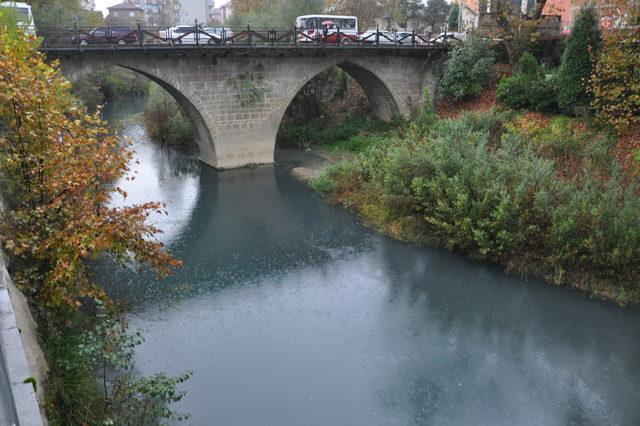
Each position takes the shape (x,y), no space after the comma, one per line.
(377,36)
(413,38)
(197,34)
(140,39)
(295,35)
(325,33)
(338,35)
(249,34)
(76,34)
(224,36)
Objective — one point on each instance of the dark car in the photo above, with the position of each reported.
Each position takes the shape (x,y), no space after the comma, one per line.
(107,35)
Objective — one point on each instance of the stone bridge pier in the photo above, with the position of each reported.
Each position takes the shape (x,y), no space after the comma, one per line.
(235,100)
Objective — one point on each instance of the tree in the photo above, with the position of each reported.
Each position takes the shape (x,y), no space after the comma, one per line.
(367,11)
(452,20)
(60,165)
(515,28)
(468,71)
(272,13)
(615,82)
(436,14)
(168,13)
(578,61)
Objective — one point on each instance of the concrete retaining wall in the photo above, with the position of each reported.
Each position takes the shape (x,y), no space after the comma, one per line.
(20,353)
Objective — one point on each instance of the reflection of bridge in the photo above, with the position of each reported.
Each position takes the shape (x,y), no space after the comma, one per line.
(236,94)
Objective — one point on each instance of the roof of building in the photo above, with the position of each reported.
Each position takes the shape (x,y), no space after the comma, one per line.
(124,6)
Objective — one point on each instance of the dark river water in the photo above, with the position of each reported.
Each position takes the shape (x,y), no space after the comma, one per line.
(290,312)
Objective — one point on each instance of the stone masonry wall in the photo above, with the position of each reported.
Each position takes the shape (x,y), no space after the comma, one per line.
(212,91)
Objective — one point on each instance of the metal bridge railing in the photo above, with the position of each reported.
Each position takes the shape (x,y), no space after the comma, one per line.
(68,36)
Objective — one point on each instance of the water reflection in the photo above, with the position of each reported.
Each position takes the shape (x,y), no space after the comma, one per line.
(289,312)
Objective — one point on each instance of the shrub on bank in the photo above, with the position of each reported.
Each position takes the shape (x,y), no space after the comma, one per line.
(164,120)
(527,88)
(515,195)
(468,71)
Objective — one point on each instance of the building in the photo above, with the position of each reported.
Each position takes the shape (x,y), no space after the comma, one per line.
(162,13)
(124,14)
(193,10)
(220,14)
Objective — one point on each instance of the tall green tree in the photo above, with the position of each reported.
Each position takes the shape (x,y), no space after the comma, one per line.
(436,14)
(578,62)
(452,20)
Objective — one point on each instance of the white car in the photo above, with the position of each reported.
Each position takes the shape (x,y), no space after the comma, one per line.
(187,34)
(449,37)
(384,37)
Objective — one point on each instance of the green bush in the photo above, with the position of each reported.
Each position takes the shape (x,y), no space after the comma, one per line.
(527,88)
(553,195)
(468,71)
(578,61)
(164,119)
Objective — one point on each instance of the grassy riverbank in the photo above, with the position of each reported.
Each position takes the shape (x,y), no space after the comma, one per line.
(543,196)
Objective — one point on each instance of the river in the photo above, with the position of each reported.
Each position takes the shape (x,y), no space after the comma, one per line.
(290,312)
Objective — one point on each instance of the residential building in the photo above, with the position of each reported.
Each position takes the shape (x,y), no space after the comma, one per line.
(160,12)
(124,14)
(220,14)
(193,10)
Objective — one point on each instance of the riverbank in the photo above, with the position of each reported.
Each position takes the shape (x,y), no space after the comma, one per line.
(540,196)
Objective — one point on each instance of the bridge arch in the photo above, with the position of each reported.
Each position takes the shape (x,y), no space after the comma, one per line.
(197,121)
(381,99)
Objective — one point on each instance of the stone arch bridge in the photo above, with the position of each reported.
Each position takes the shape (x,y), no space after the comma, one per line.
(235,98)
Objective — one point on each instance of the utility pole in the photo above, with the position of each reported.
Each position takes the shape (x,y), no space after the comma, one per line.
(459,15)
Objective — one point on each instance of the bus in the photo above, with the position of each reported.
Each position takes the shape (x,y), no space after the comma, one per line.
(337,29)
(23,15)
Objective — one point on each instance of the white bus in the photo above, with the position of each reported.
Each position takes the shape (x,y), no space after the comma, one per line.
(23,15)
(325,28)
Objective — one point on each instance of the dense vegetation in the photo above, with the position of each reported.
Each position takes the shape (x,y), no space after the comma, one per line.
(109,85)
(59,166)
(468,71)
(543,199)
(164,119)
(528,87)
(548,195)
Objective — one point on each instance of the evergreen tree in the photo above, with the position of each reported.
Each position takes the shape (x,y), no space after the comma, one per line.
(452,20)
(578,61)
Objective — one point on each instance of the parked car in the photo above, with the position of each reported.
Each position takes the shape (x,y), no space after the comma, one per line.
(107,35)
(404,37)
(449,37)
(220,32)
(384,37)
(187,34)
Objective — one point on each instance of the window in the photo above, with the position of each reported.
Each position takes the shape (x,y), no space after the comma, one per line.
(115,14)
(132,14)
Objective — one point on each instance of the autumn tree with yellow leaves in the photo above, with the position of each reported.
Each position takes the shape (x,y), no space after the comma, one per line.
(59,166)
